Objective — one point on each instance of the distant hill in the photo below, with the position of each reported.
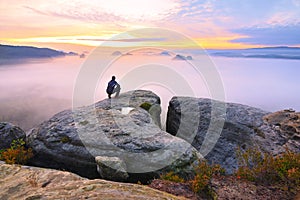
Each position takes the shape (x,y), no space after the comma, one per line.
(276,48)
(278,52)
(22,52)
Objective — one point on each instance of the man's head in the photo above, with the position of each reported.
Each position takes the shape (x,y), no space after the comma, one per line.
(113,78)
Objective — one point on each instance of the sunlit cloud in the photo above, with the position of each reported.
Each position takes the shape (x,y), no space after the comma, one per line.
(283,18)
(124,40)
(212,23)
(296,2)
(113,11)
(71,13)
(93,40)
(65,40)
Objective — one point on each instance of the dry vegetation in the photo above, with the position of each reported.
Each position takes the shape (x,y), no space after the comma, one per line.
(259,176)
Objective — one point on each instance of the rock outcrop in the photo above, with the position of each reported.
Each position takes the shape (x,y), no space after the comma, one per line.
(116,53)
(222,128)
(287,123)
(112,128)
(8,133)
(23,182)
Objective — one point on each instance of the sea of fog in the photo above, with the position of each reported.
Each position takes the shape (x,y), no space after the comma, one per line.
(34,90)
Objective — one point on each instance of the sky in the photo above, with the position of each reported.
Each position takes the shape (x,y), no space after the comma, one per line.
(213,24)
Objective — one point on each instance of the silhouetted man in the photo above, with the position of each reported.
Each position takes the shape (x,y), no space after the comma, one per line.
(113,87)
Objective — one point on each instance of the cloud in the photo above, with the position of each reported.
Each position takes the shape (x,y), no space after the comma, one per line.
(281,18)
(197,8)
(113,11)
(196,18)
(270,35)
(296,2)
(125,40)
(235,13)
(83,15)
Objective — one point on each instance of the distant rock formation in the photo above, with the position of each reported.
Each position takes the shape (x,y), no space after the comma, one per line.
(71,140)
(117,53)
(37,183)
(244,127)
(189,58)
(280,52)
(72,54)
(165,53)
(181,57)
(8,133)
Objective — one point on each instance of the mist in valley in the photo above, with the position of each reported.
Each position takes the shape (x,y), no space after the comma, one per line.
(35,90)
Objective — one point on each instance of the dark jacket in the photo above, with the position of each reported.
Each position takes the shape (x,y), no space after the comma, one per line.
(111,86)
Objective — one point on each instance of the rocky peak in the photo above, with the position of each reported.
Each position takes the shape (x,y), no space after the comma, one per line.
(243,126)
(118,132)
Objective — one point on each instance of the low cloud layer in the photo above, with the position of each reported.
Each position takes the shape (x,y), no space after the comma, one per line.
(35,90)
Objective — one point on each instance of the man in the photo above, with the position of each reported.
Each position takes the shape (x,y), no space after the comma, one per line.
(113,87)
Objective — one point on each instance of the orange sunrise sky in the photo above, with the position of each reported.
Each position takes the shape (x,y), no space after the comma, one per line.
(79,25)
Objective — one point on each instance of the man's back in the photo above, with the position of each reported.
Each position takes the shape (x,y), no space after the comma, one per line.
(110,87)
(113,87)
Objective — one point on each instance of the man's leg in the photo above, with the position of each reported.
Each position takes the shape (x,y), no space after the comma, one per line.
(117,90)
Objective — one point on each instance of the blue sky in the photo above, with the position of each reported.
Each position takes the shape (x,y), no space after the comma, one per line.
(211,23)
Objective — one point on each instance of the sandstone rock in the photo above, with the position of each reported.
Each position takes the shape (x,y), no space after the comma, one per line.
(8,133)
(155,111)
(288,121)
(71,140)
(23,182)
(134,99)
(287,124)
(111,168)
(209,128)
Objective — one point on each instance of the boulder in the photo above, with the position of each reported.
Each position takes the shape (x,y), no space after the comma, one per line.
(23,182)
(216,129)
(111,168)
(8,133)
(72,139)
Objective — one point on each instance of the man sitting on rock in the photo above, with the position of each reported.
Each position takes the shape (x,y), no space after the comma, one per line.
(113,87)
